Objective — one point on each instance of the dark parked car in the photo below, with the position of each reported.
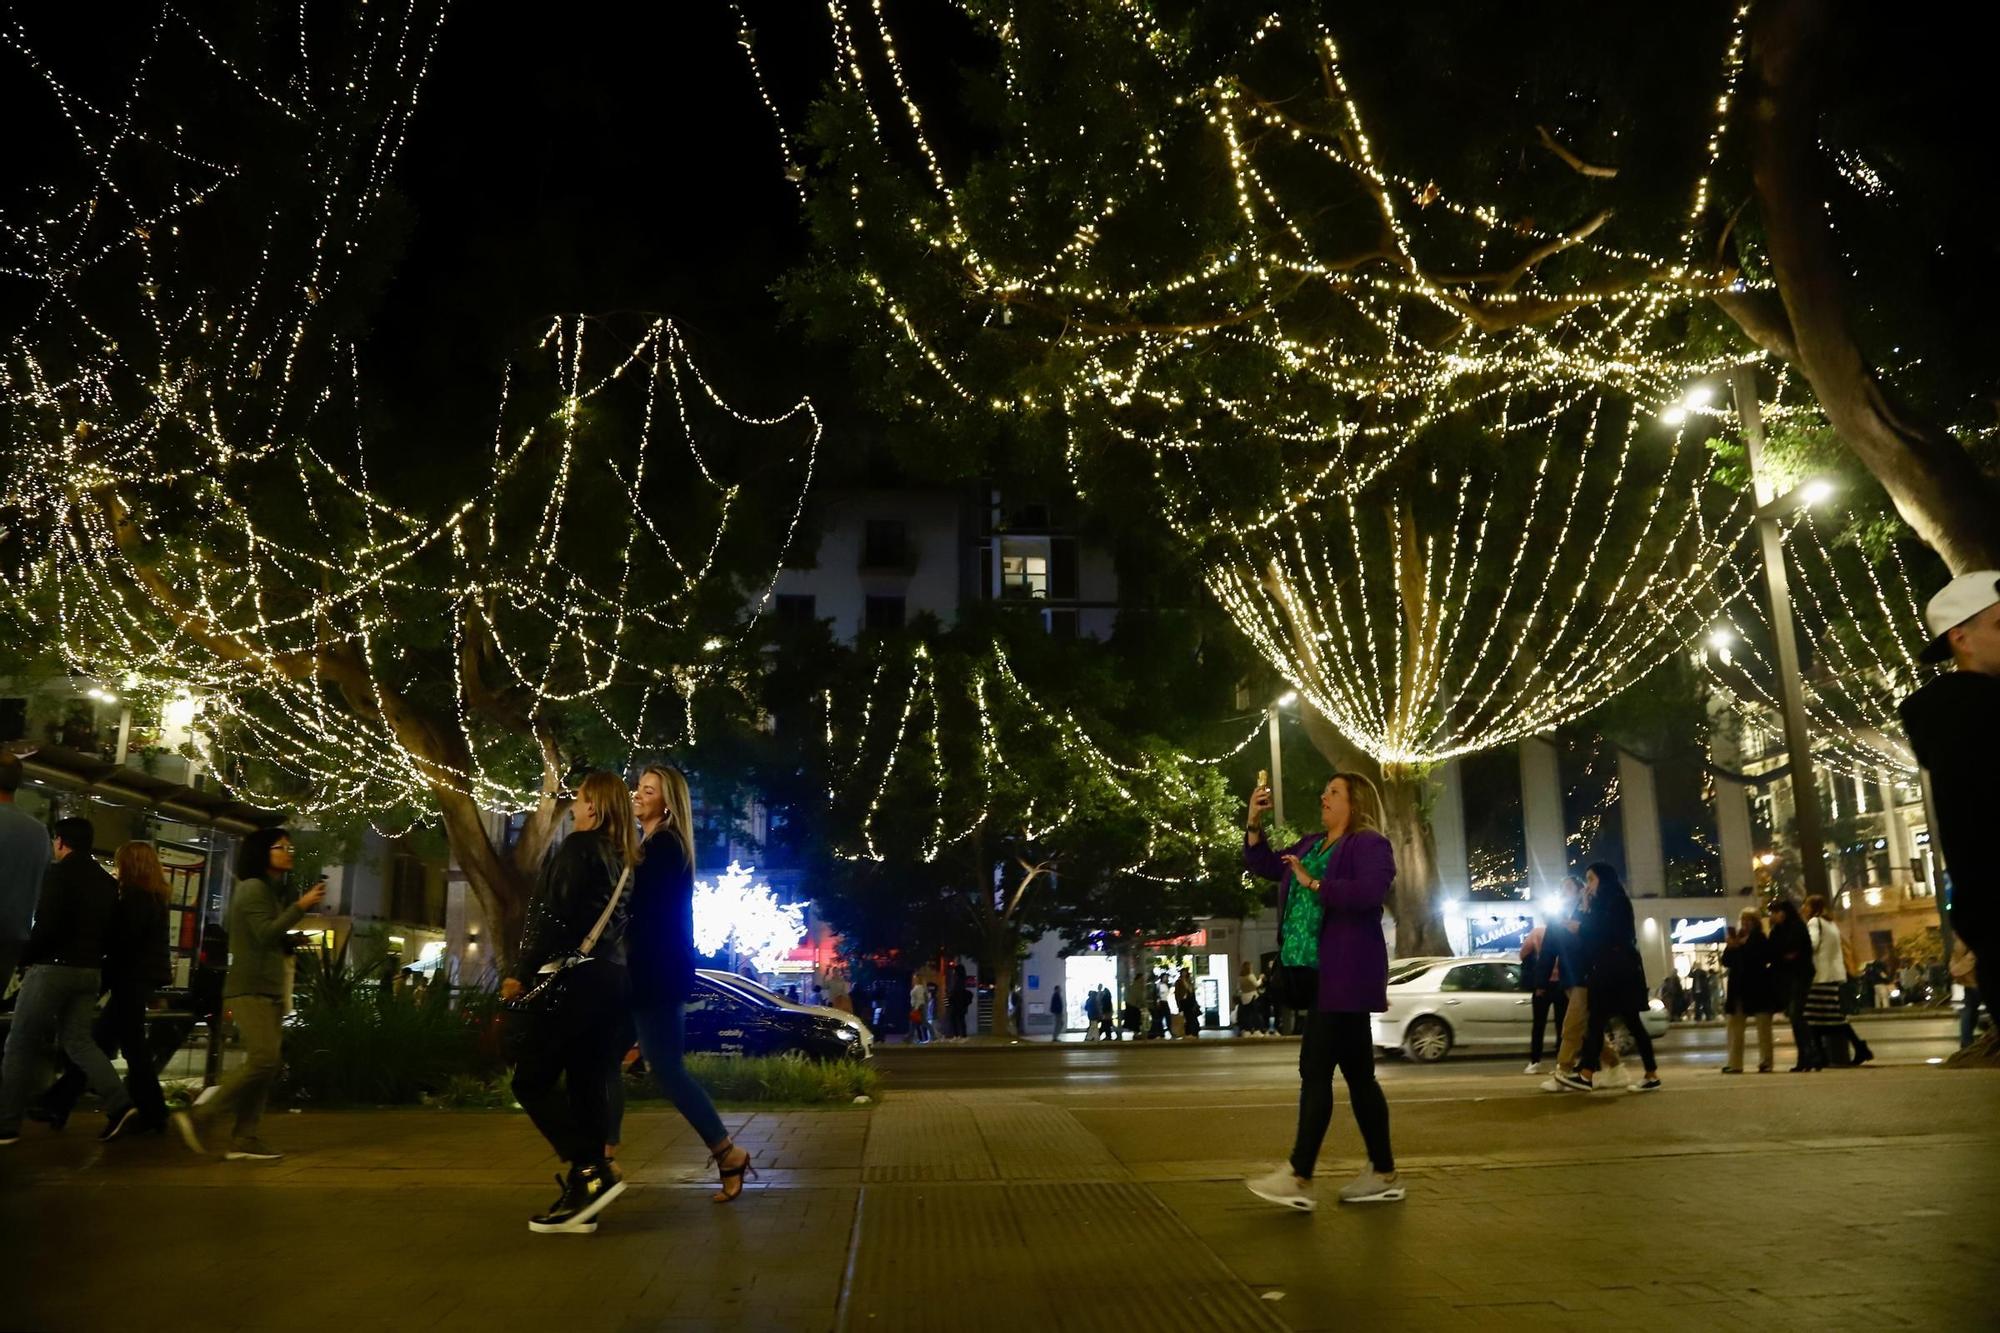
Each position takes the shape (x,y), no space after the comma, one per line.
(731,1019)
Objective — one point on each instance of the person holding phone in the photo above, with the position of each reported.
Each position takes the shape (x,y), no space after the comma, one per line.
(261,912)
(1335,967)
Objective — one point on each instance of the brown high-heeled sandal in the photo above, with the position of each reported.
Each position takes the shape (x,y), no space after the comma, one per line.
(732,1176)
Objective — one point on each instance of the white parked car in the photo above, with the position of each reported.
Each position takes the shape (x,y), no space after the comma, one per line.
(1438,1005)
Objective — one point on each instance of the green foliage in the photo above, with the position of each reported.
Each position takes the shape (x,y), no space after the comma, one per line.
(785,1079)
(353,1043)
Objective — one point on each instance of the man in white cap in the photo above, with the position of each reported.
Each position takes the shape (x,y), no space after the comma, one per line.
(1954,726)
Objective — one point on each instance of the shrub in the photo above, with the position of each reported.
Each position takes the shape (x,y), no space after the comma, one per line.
(355,1043)
(792,1079)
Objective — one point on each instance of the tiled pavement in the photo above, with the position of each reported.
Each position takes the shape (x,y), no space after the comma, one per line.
(1768,1204)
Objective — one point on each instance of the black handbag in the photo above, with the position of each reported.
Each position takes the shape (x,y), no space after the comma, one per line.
(546,995)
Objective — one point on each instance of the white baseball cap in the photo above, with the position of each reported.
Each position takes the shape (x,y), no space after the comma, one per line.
(1962,599)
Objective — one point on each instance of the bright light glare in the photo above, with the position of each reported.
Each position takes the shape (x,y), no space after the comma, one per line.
(1674,416)
(1721,637)
(735,910)
(1697,397)
(1288,698)
(1815,491)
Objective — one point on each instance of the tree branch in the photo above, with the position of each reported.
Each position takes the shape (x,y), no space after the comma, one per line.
(1571,160)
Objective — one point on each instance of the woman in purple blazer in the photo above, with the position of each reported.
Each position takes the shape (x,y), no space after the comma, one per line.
(1334,884)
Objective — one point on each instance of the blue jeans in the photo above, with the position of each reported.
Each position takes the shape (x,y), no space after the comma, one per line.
(662,1029)
(60,1003)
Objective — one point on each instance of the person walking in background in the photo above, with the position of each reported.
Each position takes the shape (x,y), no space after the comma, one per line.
(1832,1033)
(1249,1022)
(1190,1002)
(136,962)
(1792,974)
(24,860)
(920,1028)
(1107,1005)
(1547,996)
(261,912)
(960,1002)
(1965,971)
(1615,977)
(1059,1019)
(1332,888)
(1562,961)
(1701,986)
(1090,1015)
(660,956)
(1674,995)
(1752,995)
(575,944)
(1953,723)
(65,962)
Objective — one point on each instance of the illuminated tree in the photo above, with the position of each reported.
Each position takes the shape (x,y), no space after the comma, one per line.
(202,495)
(987,807)
(1400,393)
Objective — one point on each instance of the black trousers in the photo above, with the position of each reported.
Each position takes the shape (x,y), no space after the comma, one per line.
(1601,1013)
(1555,999)
(120,1027)
(1343,1042)
(578,1043)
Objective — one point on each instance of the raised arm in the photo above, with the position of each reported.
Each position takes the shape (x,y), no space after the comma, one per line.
(1259,859)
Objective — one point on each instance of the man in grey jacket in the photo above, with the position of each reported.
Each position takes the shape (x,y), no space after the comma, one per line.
(65,958)
(24,859)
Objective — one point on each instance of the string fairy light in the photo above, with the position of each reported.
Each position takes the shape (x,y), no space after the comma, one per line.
(981,709)
(201,506)
(1864,622)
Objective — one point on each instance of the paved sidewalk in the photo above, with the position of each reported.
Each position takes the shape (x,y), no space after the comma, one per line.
(1862,1201)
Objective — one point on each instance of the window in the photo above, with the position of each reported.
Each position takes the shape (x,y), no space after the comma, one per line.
(1483,976)
(410,895)
(885,544)
(791,608)
(882,614)
(1024,576)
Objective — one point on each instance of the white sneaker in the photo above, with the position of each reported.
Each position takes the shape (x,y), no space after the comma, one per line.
(1282,1187)
(1534,1067)
(1372,1187)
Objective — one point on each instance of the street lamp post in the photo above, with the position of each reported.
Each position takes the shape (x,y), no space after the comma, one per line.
(1277,755)
(1791,694)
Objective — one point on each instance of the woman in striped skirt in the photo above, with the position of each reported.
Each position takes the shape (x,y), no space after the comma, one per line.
(1824,1014)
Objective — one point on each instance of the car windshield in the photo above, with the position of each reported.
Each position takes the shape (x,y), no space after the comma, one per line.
(1401,973)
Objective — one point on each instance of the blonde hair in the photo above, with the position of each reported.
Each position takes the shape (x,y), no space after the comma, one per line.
(1364,803)
(680,805)
(139,868)
(607,794)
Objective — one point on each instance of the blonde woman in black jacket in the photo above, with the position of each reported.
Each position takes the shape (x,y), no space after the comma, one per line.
(579,1038)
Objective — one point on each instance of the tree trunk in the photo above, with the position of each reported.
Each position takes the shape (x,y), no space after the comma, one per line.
(1930,477)
(1002,973)
(496,882)
(1419,892)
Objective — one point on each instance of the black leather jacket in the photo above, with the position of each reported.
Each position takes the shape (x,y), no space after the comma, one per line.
(575,884)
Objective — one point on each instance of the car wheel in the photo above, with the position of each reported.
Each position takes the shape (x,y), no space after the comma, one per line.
(1428,1039)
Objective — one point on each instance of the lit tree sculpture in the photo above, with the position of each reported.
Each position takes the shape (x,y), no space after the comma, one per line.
(196,500)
